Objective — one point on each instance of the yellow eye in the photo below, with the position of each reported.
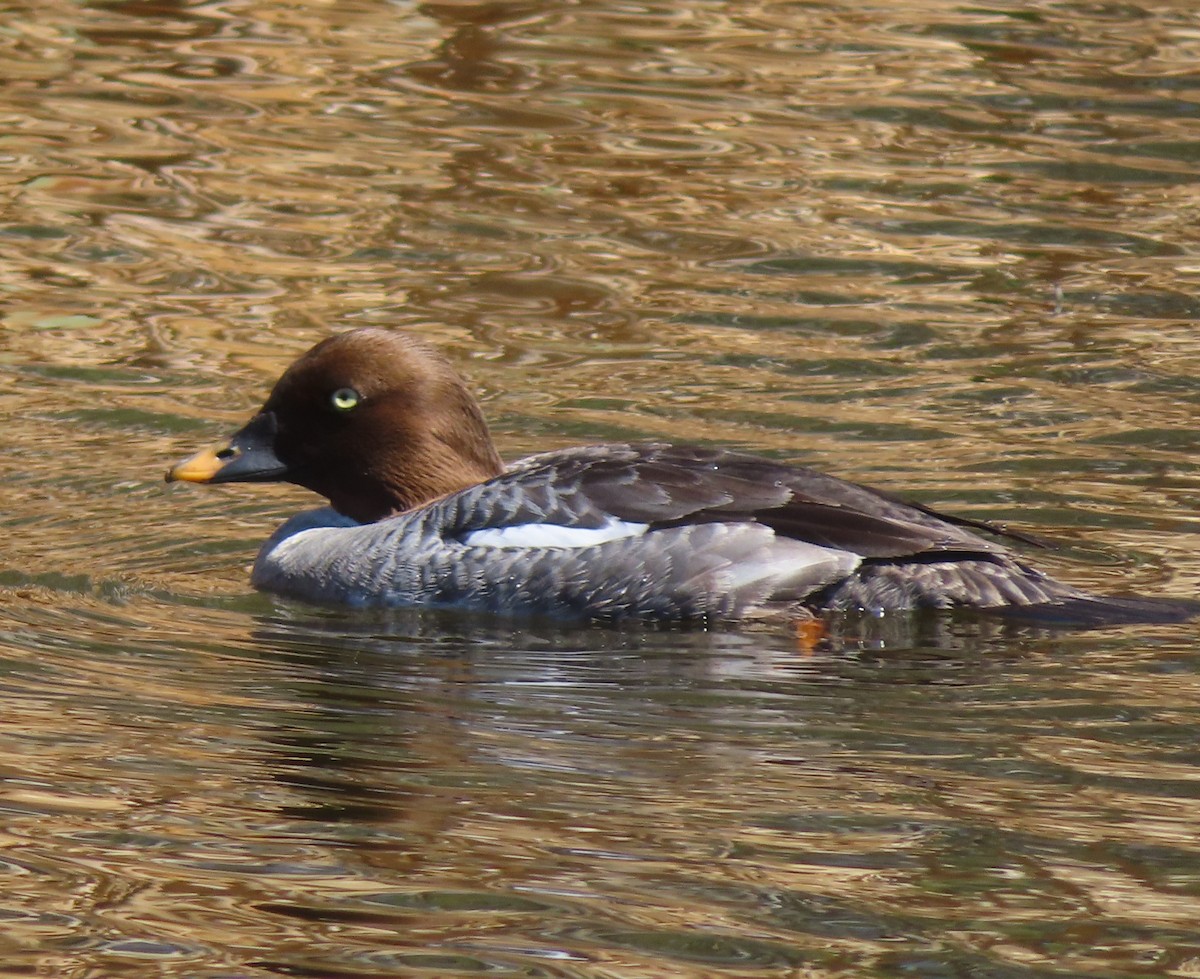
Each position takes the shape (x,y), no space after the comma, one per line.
(345,399)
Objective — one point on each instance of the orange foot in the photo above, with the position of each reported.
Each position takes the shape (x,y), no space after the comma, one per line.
(809,633)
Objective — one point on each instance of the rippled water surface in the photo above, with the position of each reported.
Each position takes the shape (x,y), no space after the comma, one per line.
(951,249)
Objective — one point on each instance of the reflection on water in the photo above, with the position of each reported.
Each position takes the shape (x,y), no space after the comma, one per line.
(943,248)
(328,796)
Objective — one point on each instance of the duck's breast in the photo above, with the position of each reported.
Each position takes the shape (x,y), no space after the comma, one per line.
(712,570)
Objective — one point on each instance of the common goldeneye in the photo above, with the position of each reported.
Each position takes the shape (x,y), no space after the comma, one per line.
(424,513)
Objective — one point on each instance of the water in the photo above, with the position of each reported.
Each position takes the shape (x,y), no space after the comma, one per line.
(942,248)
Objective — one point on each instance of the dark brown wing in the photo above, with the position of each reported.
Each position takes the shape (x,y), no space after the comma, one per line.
(668,485)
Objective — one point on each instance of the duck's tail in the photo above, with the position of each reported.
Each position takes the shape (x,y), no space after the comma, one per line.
(1081,611)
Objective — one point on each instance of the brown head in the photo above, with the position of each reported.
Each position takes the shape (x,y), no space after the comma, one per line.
(377,422)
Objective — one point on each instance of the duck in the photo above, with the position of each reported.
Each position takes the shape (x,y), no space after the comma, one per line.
(423,512)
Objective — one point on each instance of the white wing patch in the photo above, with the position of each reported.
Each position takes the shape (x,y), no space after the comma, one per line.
(553,535)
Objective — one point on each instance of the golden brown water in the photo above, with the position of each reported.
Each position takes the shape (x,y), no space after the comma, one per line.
(946,248)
